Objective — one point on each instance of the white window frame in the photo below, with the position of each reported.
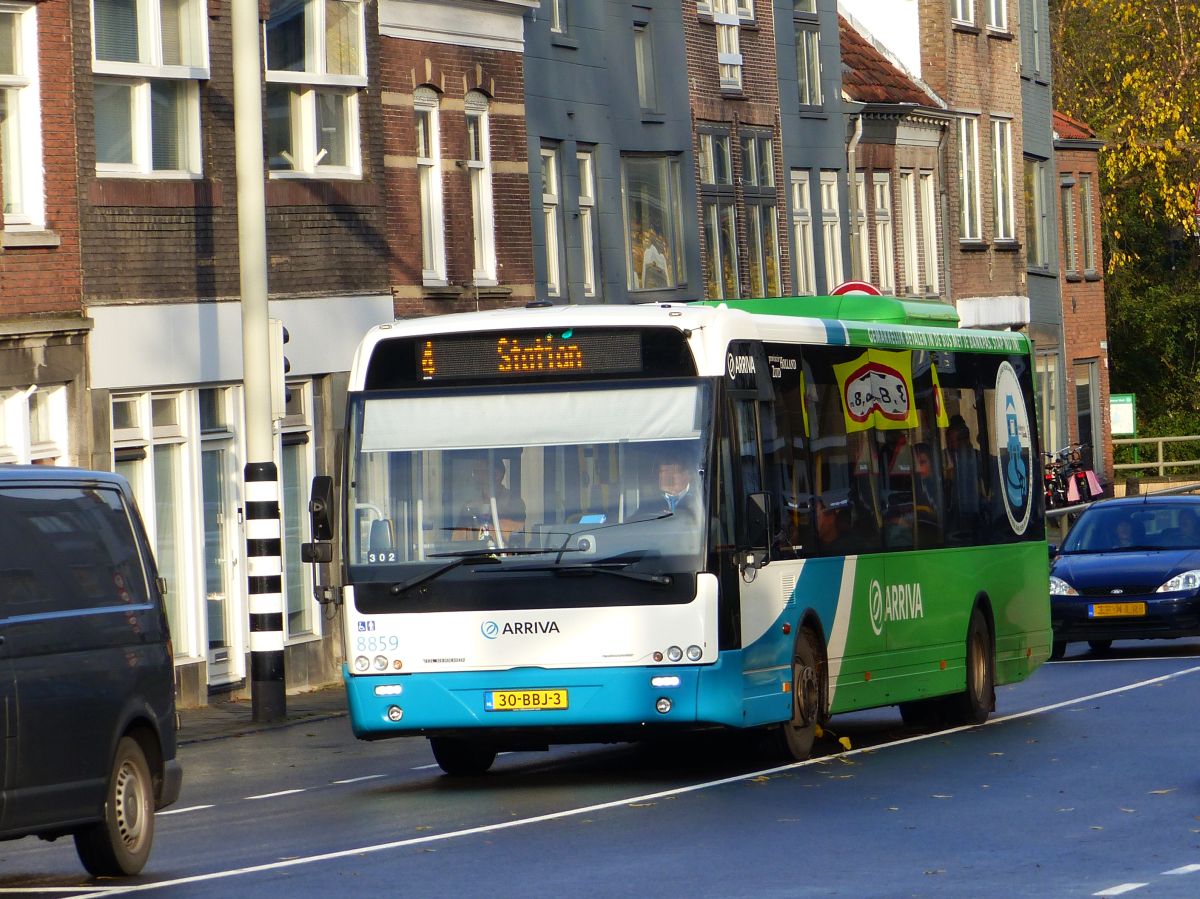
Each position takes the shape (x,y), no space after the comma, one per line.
(643,59)
(296,429)
(908,228)
(138,77)
(21,440)
(729,56)
(929,234)
(970,216)
(963,11)
(24,175)
(997,14)
(671,203)
(862,230)
(805,277)
(1069,233)
(558,16)
(885,232)
(426,108)
(304,89)
(808,65)
(1036,215)
(551,220)
(483,211)
(1005,217)
(1087,224)
(831,228)
(586,161)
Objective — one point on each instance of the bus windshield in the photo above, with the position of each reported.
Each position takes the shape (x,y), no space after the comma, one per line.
(488,482)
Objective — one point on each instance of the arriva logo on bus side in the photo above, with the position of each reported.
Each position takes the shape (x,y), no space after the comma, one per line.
(492,630)
(899,602)
(739,365)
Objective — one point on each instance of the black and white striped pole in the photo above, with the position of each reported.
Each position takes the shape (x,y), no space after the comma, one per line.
(264,568)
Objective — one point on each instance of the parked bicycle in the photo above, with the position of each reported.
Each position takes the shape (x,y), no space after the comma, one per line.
(1066,480)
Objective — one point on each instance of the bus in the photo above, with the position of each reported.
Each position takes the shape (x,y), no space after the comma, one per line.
(859,526)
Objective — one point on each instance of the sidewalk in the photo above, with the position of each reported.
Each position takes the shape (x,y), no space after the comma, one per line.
(223,718)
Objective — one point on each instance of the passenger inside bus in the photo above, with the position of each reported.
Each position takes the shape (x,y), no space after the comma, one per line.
(478,517)
(674,494)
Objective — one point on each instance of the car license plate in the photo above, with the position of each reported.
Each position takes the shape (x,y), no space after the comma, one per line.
(525,700)
(1117,610)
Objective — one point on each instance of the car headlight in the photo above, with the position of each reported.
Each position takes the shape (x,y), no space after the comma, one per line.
(1188,580)
(1059,587)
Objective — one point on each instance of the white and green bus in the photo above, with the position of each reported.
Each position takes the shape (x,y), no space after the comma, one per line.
(589,524)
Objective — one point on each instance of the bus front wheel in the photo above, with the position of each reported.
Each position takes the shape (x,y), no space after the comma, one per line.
(808,698)
(976,702)
(462,758)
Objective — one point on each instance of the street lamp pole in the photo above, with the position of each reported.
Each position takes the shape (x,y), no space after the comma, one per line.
(264,569)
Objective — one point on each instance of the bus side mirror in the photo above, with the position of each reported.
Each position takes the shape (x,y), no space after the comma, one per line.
(758,531)
(316,553)
(320,508)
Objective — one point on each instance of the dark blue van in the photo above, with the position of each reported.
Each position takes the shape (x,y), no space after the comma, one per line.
(87,680)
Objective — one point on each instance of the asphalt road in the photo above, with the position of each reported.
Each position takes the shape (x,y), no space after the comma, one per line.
(1084,783)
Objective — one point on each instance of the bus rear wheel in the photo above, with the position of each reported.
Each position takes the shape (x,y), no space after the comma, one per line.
(462,758)
(976,702)
(796,737)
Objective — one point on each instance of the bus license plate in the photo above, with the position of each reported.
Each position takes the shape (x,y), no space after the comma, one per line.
(1117,610)
(525,700)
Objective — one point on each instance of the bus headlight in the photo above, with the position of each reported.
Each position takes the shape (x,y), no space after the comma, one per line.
(362,664)
(694,653)
(674,653)
(381,663)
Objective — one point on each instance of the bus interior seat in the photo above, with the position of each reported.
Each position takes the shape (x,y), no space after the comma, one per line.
(381,536)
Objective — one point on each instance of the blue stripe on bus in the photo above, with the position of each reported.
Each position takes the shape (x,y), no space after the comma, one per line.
(835,333)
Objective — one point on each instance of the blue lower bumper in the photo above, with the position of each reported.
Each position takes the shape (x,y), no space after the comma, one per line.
(430,704)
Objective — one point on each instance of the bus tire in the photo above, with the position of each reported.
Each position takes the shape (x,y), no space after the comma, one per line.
(462,758)
(809,692)
(119,844)
(978,699)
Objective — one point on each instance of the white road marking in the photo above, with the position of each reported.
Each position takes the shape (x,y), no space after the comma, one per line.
(619,803)
(354,780)
(1121,889)
(1186,869)
(181,811)
(273,795)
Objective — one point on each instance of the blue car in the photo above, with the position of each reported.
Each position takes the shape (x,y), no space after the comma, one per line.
(1129,569)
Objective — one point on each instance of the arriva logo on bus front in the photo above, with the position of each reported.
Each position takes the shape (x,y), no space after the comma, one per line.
(493,630)
(899,602)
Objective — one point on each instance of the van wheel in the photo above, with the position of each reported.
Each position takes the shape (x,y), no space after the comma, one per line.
(462,758)
(976,702)
(119,845)
(809,689)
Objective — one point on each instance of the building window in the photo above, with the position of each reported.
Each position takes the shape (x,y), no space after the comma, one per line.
(558,16)
(970,227)
(1002,183)
(1070,247)
(802,234)
(1036,214)
(929,234)
(295,475)
(148,57)
(860,265)
(1087,405)
(34,426)
(729,56)
(831,229)
(315,70)
(963,11)
(643,59)
(762,228)
(1047,398)
(808,64)
(651,190)
(20,118)
(585,159)
(1031,40)
(479,167)
(1088,214)
(429,177)
(885,236)
(719,215)
(997,14)
(805,6)
(551,220)
(908,227)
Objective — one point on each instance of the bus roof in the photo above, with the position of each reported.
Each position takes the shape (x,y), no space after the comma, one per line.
(851,307)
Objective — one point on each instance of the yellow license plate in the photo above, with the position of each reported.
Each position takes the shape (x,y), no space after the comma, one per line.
(1117,610)
(525,700)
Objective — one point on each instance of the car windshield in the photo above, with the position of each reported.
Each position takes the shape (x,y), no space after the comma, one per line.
(1135,527)
(598,478)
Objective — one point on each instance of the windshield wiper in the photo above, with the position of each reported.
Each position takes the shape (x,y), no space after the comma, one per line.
(467,557)
(616,565)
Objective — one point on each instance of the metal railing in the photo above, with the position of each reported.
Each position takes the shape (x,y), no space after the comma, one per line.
(1160,463)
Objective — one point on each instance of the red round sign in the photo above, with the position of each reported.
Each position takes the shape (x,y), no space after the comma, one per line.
(864,288)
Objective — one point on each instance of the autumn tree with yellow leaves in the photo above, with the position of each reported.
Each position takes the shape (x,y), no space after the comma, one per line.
(1131,70)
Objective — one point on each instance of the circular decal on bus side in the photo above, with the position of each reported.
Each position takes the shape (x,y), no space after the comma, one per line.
(1015,455)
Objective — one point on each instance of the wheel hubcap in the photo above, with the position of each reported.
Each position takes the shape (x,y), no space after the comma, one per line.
(130,802)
